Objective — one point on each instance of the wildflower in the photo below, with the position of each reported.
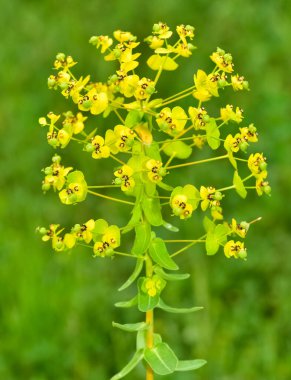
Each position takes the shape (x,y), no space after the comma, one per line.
(172,121)
(162,31)
(222,60)
(239,229)
(257,164)
(153,285)
(239,83)
(98,148)
(124,178)
(154,42)
(107,241)
(76,122)
(199,141)
(235,249)
(206,86)
(249,133)
(76,189)
(96,100)
(209,197)
(83,232)
(199,117)
(184,200)
(227,113)
(155,171)
(145,88)
(236,143)
(123,36)
(185,32)
(101,41)
(55,175)
(262,186)
(119,140)
(128,84)
(64,62)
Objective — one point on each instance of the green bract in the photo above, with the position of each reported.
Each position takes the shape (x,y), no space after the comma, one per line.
(151,136)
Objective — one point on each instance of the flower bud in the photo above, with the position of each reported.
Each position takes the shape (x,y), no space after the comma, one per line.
(267,189)
(217,196)
(51,82)
(118,181)
(53,142)
(89,148)
(243,146)
(263,165)
(245,225)
(48,170)
(60,57)
(42,121)
(93,40)
(242,254)
(205,118)
(156,28)
(45,187)
(162,171)
(56,159)
(76,228)
(42,230)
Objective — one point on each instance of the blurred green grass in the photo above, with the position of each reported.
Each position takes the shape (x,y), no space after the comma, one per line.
(56,310)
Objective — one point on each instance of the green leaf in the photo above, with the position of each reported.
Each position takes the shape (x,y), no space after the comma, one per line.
(170,276)
(159,253)
(134,275)
(170,227)
(156,62)
(131,327)
(152,210)
(216,237)
(141,339)
(231,159)
(193,195)
(212,134)
(76,176)
(177,148)
(126,304)
(208,224)
(178,310)
(146,302)
(239,185)
(153,151)
(142,238)
(133,118)
(189,365)
(161,359)
(137,357)
(134,220)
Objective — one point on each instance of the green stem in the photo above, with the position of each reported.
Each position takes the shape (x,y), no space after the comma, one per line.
(149,321)
(198,162)
(110,198)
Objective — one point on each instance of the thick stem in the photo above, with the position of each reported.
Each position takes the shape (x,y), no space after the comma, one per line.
(150,322)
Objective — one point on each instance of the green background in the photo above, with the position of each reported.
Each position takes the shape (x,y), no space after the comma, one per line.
(56,310)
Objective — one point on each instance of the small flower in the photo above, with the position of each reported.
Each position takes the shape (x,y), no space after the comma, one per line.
(64,62)
(98,148)
(239,229)
(121,36)
(207,196)
(145,88)
(155,171)
(153,285)
(124,178)
(206,86)
(185,32)
(154,42)
(162,30)
(124,138)
(107,241)
(55,175)
(239,83)
(199,141)
(172,121)
(76,189)
(249,133)
(227,113)
(262,186)
(101,41)
(199,117)
(222,60)
(84,232)
(184,200)
(257,164)
(235,249)
(236,143)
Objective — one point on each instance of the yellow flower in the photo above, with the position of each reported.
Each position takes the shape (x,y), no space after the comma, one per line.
(262,186)
(123,36)
(75,87)
(235,143)
(96,100)
(64,62)
(184,32)
(258,165)
(239,229)
(199,117)
(104,41)
(100,149)
(207,198)
(162,30)
(172,121)
(235,249)
(109,240)
(199,141)
(155,170)
(124,178)
(153,285)
(124,138)
(55,175)
(239,83)
(128,84)
(206,86)
(145,88)
(249,133)
(154,42)
(222,60)
(180,206)
(227,113)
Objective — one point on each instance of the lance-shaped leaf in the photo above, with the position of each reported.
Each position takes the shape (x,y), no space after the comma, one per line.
(216,237)
(156,62)
(131,327)
(177,148)
(142,238)
(161,359)
(190,365)
(126,304)
(160,255)
(178,310)
(164,186)
(170,227)
(134,220)
(137,357)
(152,210)
(134,275)
(170,276)
(239,185)
(141,339)
(212,134)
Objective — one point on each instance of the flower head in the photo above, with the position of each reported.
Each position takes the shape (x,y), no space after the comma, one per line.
(235,249)
(124,178)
